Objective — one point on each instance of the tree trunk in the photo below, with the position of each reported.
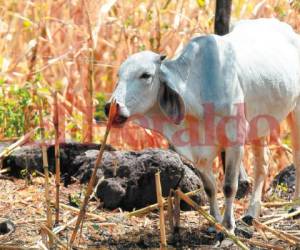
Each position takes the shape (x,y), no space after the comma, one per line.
(222,16)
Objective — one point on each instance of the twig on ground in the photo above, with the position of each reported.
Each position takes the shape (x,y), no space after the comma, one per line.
(11,247)
(54,236)
(261,244)
(211,219)
(148,209)
(282,217)
(60,228)
(77,210)
(4,170)
(281,203)
(7,151)
(292,240)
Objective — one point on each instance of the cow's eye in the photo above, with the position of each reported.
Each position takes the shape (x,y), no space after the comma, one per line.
(145,76)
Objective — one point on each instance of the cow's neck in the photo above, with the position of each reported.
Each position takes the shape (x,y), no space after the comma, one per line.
(157,121)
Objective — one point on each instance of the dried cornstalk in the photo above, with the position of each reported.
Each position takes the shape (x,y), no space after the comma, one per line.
(292,240)
(4,170)
(92,181)
(162,227)
(211,219)
(53,235)
(285,216)
(46,169)
(57,157)
(77,210)
(170,211)
(88,136)
(148,209)
(11,247)
(261,244)
(278,204)
(7,151)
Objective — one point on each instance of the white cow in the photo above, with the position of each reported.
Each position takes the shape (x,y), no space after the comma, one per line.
(217,94)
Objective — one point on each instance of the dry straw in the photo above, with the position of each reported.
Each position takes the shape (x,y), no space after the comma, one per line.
(46,168)
(57,157)
(92,182)
(160,201)
(212,220)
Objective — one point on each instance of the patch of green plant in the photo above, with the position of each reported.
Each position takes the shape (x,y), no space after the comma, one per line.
(75,200)
(99,113)
(27,175)
(279,189)
(14,100)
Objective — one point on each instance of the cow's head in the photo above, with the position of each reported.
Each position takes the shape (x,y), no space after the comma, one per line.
(141,85)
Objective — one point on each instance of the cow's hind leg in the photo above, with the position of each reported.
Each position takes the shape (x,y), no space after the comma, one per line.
(260,152)
(294,120)
(233,161)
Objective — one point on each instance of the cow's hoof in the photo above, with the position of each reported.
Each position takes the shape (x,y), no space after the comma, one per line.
(220,237)
(248,219)
(243,230)
(243,189)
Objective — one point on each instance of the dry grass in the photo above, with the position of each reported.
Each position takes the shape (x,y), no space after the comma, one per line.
(73,45)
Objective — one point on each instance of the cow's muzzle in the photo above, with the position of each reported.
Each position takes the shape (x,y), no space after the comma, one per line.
(119,119)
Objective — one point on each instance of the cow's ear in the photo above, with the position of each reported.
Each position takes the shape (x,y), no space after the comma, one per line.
(171,102)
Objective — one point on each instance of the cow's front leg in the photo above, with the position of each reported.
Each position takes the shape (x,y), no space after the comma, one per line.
(233,162)
(204,164)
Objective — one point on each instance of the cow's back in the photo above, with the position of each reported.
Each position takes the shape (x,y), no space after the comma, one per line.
(268,66)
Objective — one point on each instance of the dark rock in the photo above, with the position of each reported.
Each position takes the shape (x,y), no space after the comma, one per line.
(112,191)
(128,177)
(283,184)
(6,226)
(30,156)
(135,171)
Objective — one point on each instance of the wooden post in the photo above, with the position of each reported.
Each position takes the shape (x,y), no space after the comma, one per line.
(222,16)
(160,202)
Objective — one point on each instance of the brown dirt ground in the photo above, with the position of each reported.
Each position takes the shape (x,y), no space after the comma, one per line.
(24,205)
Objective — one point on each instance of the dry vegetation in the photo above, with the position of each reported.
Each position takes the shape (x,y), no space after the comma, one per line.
(74,47)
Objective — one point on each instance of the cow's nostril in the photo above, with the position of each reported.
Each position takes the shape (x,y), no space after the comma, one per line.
(106,109)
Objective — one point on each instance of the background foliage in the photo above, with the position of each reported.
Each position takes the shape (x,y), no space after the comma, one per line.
(75,47)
